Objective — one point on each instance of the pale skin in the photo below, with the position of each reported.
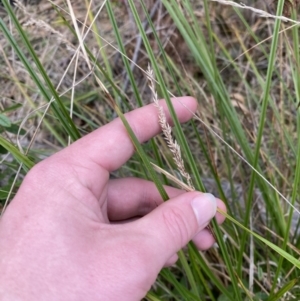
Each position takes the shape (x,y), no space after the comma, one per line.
(71,233)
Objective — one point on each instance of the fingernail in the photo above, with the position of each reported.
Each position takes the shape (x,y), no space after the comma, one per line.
(205,208)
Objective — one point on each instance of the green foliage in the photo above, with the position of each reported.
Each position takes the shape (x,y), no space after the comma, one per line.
(243,144)
(4,121)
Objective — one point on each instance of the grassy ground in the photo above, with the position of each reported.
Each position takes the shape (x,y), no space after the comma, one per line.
(243,144)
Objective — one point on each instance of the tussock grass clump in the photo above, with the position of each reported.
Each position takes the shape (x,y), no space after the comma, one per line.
(241,61)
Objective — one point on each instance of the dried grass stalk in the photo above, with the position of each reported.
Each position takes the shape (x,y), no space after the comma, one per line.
(167,131)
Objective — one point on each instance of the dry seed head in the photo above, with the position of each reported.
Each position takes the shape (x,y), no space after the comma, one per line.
(167,131)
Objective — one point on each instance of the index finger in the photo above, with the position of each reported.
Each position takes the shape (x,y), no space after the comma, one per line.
(110,146)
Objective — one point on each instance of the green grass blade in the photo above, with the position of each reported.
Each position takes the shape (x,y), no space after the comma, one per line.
(208,272)
(150,296)
(57,107)
(123,52)
(142,155)
(285,289)
(178,130)
(277,249)
(180,288)
(189,273)
(16,153)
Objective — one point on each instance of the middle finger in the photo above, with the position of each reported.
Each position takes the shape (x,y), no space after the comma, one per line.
(131,197)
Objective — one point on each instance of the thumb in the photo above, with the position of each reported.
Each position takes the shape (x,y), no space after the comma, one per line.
(174,223)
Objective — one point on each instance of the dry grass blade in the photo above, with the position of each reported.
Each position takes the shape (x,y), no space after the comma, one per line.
(260,12)
(181,184)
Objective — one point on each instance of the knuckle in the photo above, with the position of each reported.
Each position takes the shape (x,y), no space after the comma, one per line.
(177,226)
(43,173)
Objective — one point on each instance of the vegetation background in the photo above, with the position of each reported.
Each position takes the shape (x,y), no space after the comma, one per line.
(241,64)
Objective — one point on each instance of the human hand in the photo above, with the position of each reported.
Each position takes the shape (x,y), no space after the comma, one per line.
(61,236)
